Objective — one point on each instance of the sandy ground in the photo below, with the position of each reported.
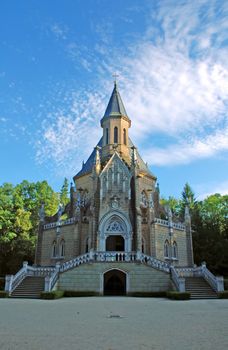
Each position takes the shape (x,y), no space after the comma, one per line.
(113,323)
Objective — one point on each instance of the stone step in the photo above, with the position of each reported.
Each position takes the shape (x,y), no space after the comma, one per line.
(30,287)
(199,288)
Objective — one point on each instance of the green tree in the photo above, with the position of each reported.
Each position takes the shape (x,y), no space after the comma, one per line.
(64,197)
(19,208)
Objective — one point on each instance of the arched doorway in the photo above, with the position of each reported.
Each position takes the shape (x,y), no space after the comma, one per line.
(115,282)
(115,244)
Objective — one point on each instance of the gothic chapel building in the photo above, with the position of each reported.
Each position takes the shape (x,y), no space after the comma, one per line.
(114,237)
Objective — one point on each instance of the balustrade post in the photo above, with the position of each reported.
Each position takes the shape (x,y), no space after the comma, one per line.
(181,284)
(8,283)
(25,265)
(47,284)
(91,254)
(220,284)
(57,266)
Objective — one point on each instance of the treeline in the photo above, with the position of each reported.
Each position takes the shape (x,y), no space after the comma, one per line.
(209,219)
(19,218)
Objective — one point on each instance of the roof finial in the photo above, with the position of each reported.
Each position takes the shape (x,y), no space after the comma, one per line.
(115,76)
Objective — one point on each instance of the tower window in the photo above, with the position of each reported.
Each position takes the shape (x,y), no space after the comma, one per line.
(115,134)
(62,248)
(124,136)
(166,249)
(174,250)
(107,136)
(54,249)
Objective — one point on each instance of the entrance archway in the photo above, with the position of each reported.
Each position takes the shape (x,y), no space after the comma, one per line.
(115,282)
(115,244)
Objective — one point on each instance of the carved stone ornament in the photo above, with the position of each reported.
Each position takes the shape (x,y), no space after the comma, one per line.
(115,226)
(114,202)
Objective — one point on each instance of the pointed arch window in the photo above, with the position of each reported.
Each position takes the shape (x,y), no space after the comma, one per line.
(166,249)
(54,249)
(107,136)
(143,246)
(115,134)
(124,136)
(175,252)
(62,248)
(87,245)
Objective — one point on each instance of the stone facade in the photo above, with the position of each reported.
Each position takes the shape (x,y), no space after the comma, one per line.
(114,206)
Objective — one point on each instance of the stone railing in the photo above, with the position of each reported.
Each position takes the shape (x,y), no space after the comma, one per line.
(161,222)
(51,280)
(153,262)
(177,280)
(81,259)
(114,256)
(94,256)
(177,225)
(60,223)
(12,281)
(216,283)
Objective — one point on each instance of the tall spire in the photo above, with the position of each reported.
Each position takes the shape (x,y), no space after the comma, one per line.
(115,106)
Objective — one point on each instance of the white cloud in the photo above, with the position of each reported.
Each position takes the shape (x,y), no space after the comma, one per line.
(221,188)
(186,152)
(174,81)
(60,31)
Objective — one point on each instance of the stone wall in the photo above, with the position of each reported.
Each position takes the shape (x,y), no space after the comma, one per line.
(70,235)
(179,236)
(89,277)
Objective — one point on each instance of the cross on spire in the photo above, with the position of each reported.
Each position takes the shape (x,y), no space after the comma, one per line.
(115,76)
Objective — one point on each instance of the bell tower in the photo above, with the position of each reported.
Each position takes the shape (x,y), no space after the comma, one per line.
(115,124)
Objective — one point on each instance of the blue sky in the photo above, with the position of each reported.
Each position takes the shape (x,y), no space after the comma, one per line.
(56,64)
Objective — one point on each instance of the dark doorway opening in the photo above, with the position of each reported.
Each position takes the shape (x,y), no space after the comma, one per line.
(114,283)
(115,244)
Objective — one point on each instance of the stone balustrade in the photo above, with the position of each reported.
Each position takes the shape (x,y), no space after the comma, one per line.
(69,221)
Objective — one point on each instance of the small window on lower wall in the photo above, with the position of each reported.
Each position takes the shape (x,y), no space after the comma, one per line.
(166,249)
(175,252)
(54,249)
(87,245)
(62,248)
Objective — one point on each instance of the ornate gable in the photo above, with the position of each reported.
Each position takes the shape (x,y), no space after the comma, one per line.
(115,180)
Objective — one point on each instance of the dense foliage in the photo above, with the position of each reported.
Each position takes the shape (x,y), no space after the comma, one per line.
(209,227)
(19,218)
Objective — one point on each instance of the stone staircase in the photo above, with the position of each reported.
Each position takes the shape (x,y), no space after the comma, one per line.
(30,287)
(199,288)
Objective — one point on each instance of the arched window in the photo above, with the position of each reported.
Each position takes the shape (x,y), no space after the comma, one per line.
(124,136)
(107,138)
(62,248)
(54,249)
(175,253)
(115,134)
(143,246)
(166,249)
(87,245)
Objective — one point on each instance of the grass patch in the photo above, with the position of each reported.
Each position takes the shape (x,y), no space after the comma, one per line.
(178,295)
(147,294)
(223,295)
(4,294)
(55,294)
(74,293)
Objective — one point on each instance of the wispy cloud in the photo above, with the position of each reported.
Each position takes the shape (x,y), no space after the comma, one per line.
(174,81)
(188,151)
(221,188)
(60,31)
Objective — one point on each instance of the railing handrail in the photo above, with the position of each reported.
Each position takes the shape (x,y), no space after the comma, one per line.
(178,281)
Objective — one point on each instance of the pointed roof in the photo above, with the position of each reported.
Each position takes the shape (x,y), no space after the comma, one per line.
(115,106)
(88,165)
